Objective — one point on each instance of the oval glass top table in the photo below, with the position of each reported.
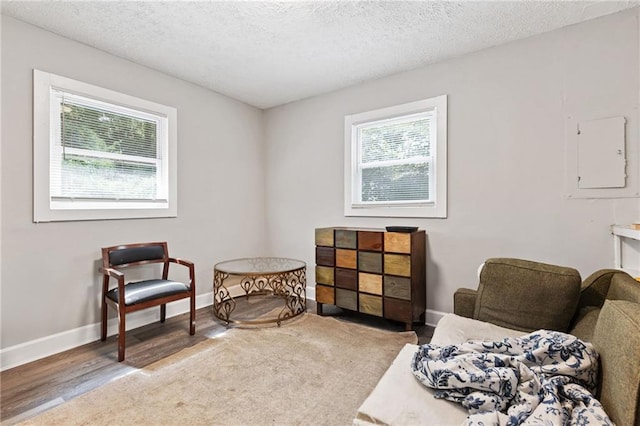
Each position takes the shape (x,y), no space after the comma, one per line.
(277,276)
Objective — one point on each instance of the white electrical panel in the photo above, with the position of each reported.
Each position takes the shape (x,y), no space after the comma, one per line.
(601,153)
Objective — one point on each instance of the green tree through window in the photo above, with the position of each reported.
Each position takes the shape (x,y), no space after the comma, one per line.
(106,154)
(99,130)
(395,161)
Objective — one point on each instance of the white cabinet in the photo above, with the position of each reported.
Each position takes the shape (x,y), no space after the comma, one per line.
(626,237)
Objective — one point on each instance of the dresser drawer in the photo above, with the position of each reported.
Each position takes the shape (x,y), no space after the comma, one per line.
(370,283)
(346,258)
(324,275)
(324,294)
(397,242)
(370,262)
(371,241)
(324,237)
(370,304)
(399,310)
(325,256)
(346,239)
(398,287)
(397,264)
(347,278)
(346,299)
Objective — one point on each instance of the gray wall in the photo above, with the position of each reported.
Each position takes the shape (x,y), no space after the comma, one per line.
(253,182)
(49,274)
(507,111)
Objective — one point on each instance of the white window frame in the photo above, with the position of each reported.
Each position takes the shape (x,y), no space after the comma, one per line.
(47,208)
(434,208)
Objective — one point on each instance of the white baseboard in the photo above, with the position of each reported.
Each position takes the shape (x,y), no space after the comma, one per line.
(432,317)
(23,353)
(311,293)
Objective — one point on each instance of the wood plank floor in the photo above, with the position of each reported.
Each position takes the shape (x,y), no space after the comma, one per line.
(30,389)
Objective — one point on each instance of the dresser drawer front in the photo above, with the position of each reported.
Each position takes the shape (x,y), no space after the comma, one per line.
(324,294)
(370,262)
(346,258)
(347,278)
(325,256)
(346,239)
(324,237)
(397,264)
(370,304)
(324,275)
(398,287)
(399,310)
(370,283)
(371,241)
(346,299)
(372,271)
(397,242)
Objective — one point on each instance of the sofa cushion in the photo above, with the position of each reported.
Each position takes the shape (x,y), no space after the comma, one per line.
(617,339)
(585,323)
(400,399)
(526,295)
(453,329)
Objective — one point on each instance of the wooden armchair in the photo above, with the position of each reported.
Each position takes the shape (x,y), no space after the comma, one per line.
(142,294)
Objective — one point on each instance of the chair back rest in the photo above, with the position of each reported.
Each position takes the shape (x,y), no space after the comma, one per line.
(126,255)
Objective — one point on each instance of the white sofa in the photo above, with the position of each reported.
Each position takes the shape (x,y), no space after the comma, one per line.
(399,399)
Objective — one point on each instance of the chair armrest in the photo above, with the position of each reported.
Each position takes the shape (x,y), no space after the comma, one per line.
(191,266)
(464,302)
(112,273)
(179,261)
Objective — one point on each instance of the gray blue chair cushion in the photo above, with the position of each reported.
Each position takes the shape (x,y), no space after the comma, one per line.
(142,291)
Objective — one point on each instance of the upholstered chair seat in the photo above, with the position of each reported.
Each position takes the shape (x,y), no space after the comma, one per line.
(143,291)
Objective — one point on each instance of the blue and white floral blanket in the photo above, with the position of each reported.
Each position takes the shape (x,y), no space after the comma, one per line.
(545,378)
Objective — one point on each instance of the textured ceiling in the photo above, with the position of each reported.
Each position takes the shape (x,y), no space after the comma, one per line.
(271,53)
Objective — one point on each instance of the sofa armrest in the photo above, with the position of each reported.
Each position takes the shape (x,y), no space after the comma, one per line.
(464,302)
(617,340)
(598,287)
(595,287)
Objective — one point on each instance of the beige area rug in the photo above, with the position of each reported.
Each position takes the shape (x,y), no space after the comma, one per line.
(311,370)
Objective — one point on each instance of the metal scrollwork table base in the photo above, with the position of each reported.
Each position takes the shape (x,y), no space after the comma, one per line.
(282,277)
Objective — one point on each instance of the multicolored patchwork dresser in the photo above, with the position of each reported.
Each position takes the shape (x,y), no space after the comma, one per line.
(372,271)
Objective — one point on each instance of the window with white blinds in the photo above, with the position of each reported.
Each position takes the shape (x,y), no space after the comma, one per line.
(396,161)
(100,154)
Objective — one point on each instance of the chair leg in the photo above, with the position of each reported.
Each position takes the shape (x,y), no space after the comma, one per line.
(192,315)
(121,334)
(163,312)
(103,334)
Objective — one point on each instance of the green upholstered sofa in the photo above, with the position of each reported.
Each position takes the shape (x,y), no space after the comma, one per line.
(515,297)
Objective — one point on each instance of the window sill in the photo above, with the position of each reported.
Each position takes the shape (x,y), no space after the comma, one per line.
(431,211)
